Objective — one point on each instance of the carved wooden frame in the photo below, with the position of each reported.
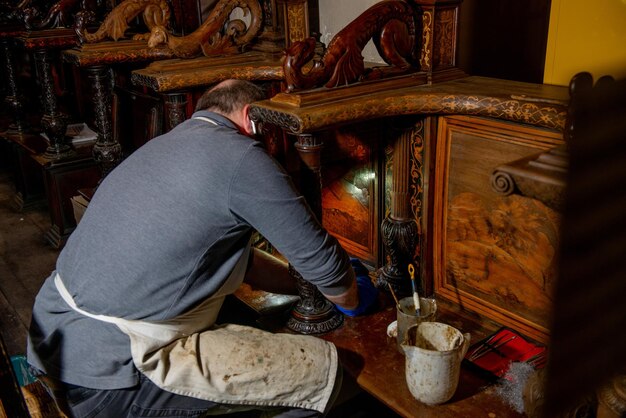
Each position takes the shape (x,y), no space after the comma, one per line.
(538,140)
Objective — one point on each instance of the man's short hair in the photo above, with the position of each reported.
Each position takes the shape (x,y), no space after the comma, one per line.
(229,96)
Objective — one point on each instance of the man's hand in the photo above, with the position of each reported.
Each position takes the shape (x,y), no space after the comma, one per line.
(368,294)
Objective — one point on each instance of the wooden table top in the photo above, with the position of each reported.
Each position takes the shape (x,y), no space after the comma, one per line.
(378,367)
(181,74)
(322,108)
(374,361)
(114,52)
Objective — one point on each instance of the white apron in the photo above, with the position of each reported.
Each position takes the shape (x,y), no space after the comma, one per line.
(231,364)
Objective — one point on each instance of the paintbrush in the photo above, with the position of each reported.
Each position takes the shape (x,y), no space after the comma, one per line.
(394,295)
(416,298)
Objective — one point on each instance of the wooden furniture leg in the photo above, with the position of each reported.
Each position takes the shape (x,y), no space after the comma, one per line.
(175,104)
(313,314)
(53,123)
(13,99)
(107,151)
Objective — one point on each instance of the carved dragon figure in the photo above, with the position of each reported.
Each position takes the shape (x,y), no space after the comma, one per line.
(391,25)
(214,36)
(154,13)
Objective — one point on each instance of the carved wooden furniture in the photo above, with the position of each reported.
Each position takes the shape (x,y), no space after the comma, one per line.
(44,162)
(27,178)
(428,54)
(217,35)
(541,176)
(44,45)
(522,119)
(44,35)
(175,81)
(97,61)
(100,51)
(178,82)
(13,96)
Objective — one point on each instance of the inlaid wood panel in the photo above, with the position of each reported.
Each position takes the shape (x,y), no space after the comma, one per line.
(493,254)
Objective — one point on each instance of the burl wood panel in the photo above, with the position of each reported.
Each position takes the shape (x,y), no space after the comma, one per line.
(493,254)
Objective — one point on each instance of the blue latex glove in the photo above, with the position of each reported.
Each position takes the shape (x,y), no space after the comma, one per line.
(368,294)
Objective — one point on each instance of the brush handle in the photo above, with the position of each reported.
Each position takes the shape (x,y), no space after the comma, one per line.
(416,301)
(416,298)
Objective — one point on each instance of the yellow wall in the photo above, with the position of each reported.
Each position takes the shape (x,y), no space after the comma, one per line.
(586,36)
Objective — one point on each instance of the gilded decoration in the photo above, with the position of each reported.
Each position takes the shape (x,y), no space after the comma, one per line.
(416,180)
(427,32)
(297,22)
(445,39)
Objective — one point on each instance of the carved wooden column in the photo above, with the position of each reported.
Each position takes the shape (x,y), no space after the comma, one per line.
(44,46)
(175,105)
(313,314)
(272,39)
(106,151)
(399,231)
(53,123)
(13,99)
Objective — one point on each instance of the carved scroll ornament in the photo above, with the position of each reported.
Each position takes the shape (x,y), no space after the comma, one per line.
(217,35)
(154,13)
(390,24)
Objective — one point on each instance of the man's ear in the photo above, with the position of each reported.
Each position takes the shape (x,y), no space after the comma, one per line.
(246,123)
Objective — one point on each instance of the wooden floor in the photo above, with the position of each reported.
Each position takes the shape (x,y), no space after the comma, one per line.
(26,260)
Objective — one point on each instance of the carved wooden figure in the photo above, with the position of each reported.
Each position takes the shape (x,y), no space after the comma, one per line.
(217,35)
(154,13)
(391,24)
